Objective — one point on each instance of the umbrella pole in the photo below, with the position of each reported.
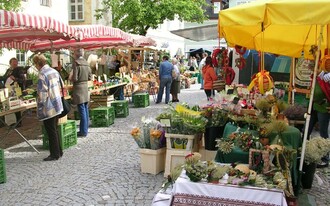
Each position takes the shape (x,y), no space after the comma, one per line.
(308,117)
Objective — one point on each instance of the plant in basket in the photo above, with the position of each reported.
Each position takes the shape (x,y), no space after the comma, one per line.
(187,121)
(215,172)
(316,149)
(196,170)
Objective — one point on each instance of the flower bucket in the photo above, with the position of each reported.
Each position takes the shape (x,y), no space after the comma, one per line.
(308,175)
(211,134)
(152,161)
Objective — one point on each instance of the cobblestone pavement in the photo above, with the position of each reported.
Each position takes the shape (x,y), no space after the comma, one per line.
(102,169)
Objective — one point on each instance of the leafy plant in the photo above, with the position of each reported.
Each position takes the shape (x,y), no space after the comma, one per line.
(216,116)
(137,17)
(316,148)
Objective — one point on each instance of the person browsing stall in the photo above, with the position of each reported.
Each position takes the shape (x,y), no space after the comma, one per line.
(81,74)
(49,103)
(175,86)
(165,78)
(209,76)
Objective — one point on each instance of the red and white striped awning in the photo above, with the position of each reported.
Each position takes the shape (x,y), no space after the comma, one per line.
(17,27)
(88,37)
(142,41)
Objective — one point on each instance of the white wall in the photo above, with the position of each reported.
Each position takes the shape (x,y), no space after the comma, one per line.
(58,10)
(163,36)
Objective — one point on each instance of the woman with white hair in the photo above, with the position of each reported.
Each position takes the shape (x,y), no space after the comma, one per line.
(49,103)
(175,86)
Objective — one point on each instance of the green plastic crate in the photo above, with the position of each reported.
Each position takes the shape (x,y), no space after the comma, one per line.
(141,100)
(121,108)
(102,111)
(67,132)
(106,122)
(3,177)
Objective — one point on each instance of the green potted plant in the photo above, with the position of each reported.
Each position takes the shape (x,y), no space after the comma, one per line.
(316,148)
(216,172)
(216,120)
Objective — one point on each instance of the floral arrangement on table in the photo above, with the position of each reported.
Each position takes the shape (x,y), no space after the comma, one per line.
(235,174)
(216,116)
(195,169)
(150,136)
(316,148)
(243,140)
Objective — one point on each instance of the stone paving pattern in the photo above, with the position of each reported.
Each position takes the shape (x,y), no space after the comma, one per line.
(102,169)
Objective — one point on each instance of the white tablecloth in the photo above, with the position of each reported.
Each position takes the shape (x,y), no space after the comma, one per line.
(186,192)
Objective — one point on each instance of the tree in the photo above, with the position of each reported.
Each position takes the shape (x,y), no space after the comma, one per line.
(137,16)
(12,5)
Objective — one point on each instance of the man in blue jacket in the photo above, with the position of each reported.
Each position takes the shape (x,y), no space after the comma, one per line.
(165,78)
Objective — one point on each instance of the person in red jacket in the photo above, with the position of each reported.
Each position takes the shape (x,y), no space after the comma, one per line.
(209,76)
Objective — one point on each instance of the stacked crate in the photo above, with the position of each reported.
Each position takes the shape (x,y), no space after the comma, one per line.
(102,116)
(67,132)
(141,100)
(3,177)
(121,108)
(100,101)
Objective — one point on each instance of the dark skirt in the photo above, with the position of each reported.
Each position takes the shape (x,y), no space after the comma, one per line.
(175,87)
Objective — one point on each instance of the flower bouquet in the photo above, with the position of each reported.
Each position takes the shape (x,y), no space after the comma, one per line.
(151,136)
(215,115)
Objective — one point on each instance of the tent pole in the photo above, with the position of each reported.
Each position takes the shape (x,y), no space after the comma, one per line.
(308,116)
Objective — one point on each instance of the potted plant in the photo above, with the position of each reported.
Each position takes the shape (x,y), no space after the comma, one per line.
(316,148)
(151,141)
(216,172)
(216,119)
(196,170)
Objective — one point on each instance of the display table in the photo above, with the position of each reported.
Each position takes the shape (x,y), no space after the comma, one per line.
(24,110)
(291,139)
(186,192)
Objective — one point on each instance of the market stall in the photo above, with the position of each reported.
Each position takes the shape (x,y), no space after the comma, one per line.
(291,28)
(19,29)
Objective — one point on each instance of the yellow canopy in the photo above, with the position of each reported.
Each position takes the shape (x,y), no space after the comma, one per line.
(285,27)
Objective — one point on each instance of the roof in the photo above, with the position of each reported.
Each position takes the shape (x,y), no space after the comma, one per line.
(201,33)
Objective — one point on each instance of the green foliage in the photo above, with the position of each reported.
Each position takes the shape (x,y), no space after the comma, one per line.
(137,16)
(12,5)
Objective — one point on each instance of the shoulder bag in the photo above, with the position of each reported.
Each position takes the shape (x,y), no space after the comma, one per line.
(65,103)
(219,84)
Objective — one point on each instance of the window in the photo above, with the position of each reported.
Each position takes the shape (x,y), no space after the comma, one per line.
(76,10)
(45,2)
(21,57)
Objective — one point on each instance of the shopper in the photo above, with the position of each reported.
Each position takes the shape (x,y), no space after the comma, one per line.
(165,78)
(320,112)
(49,103)
(80,96)
(209,76)
(12,75)
(175,86)
(200,67)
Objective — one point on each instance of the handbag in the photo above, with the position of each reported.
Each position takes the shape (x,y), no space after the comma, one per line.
(65,103)
(219,85)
